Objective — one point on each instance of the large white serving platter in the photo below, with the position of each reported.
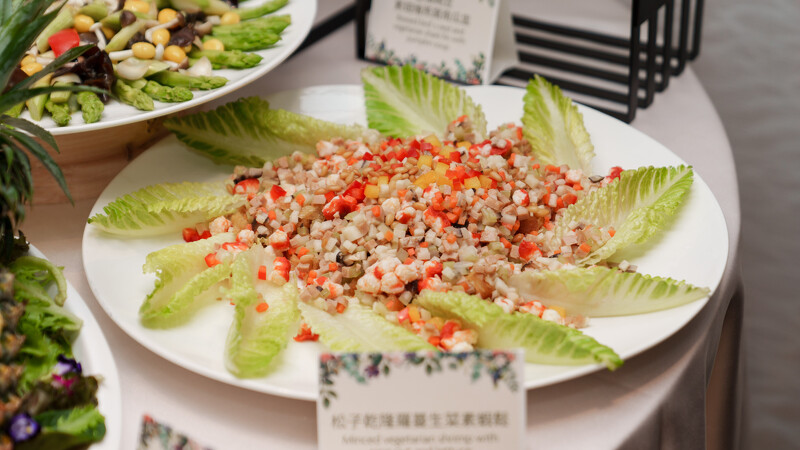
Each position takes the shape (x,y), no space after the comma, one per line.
(117,113)
(92,351)
(693,247)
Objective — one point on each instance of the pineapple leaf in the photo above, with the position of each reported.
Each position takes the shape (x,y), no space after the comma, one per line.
(37,150)
(32,128)
(19,31)
(65,57)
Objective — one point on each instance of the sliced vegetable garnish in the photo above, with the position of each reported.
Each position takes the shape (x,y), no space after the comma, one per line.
(636,206)
(404,101)
(258,334)
(166,207)
(248,132)
(359,329)
(544,342)
(554,127)
(600,291)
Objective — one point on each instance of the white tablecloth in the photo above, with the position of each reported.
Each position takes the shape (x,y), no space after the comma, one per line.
(656,400)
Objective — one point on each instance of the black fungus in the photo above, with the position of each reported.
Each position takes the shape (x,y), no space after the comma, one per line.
(319,288)
(596,178)
(126,18)
(413,287)
(339,258)
(94,68)
(88,38)
(138,37)
(16,76)
(183,37)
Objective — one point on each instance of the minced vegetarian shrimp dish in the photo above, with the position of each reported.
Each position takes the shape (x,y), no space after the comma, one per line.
(423,232)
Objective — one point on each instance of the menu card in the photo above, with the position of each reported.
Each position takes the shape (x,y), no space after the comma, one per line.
(422,401)
(470,41)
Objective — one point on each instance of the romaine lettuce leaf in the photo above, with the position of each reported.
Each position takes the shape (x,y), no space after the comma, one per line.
(600,291)
(166,207)
(181,275)
(255,338)
(404,101)
(66,429)
(247,132)
(636,206)
(359,329)
(554,127)
(544,342)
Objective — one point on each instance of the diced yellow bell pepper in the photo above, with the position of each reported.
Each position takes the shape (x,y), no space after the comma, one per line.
(472,183)
(426,179)
(561,311)
(372,191)
(464,144)
(486,182)
(443,180)
(413,314)
(433,140)
(425,160)
(441,168)
(383,179)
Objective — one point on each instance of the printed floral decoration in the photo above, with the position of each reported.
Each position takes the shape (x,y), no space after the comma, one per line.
(454,70)
(361,367)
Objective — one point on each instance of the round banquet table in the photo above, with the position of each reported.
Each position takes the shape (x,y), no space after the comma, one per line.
(683,393)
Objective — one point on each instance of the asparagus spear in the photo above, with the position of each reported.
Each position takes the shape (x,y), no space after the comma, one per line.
(247,42)
(60,112)
(91,106)
(228,59)
(167,93)
(272,24)
(258,11)
(96,10)
(175,79)
(132,96)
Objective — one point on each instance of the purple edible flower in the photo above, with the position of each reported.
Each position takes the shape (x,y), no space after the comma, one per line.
(66,365)
(372,371)
(23,427)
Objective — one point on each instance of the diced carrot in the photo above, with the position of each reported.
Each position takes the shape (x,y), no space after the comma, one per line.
(511,159)
(321,280)
(272,215)
(559,203)
(388,235)
(612,232)
(411,252)
(333,267)
(434,340)
(423,244)
(536,166)
(340,308)
(586,248)
(505,242)
(577,187)
(451,238)
(376,211)
(302,251)
(300,199)
(263,306)
(312,275)
(394,305)
(262,272)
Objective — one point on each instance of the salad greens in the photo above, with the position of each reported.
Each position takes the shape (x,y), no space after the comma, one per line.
(256,337)
(636,206)
(247,132)
(601,292)
(359,329)
(165,207)
(554,127)
(404,101)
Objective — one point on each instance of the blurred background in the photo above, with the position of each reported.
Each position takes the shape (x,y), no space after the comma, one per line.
(750,67)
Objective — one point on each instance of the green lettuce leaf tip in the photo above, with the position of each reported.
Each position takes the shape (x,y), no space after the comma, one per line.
(544,342)
(166,207)
(404,101)
(554,127)
(247,132)
(636,205)
(601,292)
(359,329)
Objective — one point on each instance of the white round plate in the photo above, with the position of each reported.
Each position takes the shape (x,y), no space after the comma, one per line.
(117,113)
(92,351)
(694,247)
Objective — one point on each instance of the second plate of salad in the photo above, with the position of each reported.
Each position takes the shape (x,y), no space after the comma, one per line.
(692,247)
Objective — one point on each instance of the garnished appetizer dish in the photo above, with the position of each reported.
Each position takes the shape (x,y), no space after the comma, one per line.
(142,52)
(46,401)
(424,231)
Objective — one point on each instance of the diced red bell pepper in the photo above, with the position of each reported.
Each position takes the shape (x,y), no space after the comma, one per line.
(205,235)
(305,334)
(211,259)
(63,40)
(341,204)
(355,190)
(527,249)
(276,192)
(190,235)
(614,172)
(262,272)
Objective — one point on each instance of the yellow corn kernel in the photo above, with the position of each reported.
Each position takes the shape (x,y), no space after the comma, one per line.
(137,6)
(372,191)
(441,168)
(143,50)
(444,181)
(82,23)
(161,36)
(27,60)
(174,53)
(561,311)
(230,18)
(425,160)
(426,179)
(107,32)
(213,44)
(166,14)
(383,179)
(31,68)
(464,144)
(486,182)
(433,140)
(438,322)
(472,183)
(187,49)
(413,314)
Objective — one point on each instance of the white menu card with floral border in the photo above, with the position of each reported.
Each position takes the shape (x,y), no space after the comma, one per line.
(422,401)
(468,41)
